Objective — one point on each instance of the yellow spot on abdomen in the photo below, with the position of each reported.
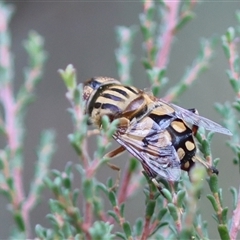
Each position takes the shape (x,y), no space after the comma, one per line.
(181,153)
(186,165)
(189,145)
(178,126)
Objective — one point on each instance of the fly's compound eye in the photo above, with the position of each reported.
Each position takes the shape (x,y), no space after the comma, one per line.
(90,86)
(93,83)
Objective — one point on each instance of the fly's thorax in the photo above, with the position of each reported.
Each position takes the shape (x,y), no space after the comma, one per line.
(96,84)
(108,97)
(92,88)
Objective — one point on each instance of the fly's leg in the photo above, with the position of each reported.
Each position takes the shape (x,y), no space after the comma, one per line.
(115,153)
(115,168)
(152,177)
(93,132)
(122,126)
(207,165)
(157,185)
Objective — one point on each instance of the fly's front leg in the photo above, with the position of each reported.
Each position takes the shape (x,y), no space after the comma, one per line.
(123,123)
(115,153)
(122,126)
(157,185)
(116,168)
(93,132)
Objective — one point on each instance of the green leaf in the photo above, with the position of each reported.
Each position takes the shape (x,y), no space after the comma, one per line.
(56,173)
(213,202)
(230,34)
(215,217)
(56,206)
(180,197)
(150,11)
(87,189)
(105,123)
(216,161)
(173,211)
(238,16)
(205,147)
(120,235)
(102,187)
(101,230)
(40,231)
(145,31)
(109,182)
(138,227)
(122,208)
(210,136)
(127,229)
(205,229)
(147,65)
(223,232)
(186,234)
(10,183)
(74,140)
(167,195)
(161,214)
(133,165)
(162,224)
(225,46)
(113,215)
(68,168)
(67,182)
(157,78)
(112,128)
(150,208)
(184,20)
(235,84)
(220,195)
(19,221)
(75,197)
(235,196)
(77,95)
(236,64)
(34,47)
(236,105)
(213,183)
(48,182)
(224,215)
(69,77)
(112,198)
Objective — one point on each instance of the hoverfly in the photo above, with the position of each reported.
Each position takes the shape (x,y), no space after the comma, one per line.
(159,134)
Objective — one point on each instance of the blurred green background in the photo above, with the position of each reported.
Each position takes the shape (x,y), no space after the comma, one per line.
(82,33)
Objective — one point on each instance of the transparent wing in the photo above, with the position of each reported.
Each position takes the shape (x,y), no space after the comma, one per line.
(192,118)
(156,154)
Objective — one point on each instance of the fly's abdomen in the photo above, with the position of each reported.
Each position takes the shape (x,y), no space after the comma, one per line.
(183,142)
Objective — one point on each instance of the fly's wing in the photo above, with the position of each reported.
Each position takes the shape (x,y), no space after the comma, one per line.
(192,118)
(152,148)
